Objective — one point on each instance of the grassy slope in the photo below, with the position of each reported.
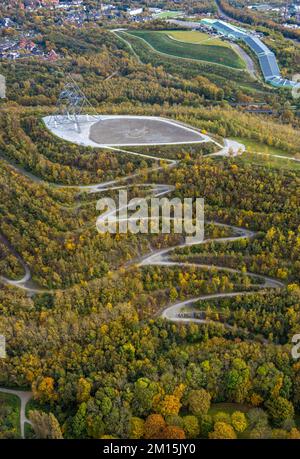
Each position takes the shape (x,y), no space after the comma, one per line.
(263,154)
(218,54)
(271,161)
(168,14)
(257,147)
(188,68)
(191,36)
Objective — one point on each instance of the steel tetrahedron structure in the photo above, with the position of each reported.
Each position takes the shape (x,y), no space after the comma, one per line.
(72,106)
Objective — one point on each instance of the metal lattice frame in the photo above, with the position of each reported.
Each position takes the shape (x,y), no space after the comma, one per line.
(70,105)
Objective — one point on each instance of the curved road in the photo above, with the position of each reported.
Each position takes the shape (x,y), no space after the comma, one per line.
(246,58)
(230,148)
(160,257)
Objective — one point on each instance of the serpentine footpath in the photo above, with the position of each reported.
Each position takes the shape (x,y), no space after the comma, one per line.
(173,312)
(230,148)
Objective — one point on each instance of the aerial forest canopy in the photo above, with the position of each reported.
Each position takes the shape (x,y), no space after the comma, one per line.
(87,336)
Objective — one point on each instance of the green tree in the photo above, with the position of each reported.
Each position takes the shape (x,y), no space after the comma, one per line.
(83,390)
(222,431)
(239,421)
(279,410)
(79,424)
(199,402)
(191,426)
(206,425)
(238,381)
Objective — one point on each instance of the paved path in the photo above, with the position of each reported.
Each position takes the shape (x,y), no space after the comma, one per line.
(290,158)
(246,58)
(162,257)
(24,397)
(230,147)
(159,257)
(222,13)
(115,32)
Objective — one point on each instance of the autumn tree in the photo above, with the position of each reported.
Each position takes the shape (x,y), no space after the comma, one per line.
(172,432)
(45,425)
(239,421)
(154,425)
(279,410)
(43,390)
(222,431)
(191,426)
(83,390)
(136,427)
(294,434)
(199,402)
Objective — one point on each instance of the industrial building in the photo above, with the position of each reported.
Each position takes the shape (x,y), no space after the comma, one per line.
(266,57)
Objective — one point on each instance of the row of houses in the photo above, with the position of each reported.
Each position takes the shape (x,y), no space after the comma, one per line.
(287,11)
(12,48)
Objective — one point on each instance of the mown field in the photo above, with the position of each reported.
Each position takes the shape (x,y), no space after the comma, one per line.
(168,14)
(192,36)
(218,53)
(270,161)
(253,146)
(224,77)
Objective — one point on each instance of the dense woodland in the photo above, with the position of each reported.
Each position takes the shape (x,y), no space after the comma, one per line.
(91,346)
(236,10)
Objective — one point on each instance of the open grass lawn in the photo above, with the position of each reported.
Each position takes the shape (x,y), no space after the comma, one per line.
(253,146)
(192,36)
(264,155)
(228,408)
(9,416)
(270,161)
(218,53)
(189,69)
(168,14)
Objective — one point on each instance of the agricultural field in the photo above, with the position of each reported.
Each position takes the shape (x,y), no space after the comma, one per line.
(218,52)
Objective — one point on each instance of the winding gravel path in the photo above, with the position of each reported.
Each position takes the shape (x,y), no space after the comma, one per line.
(160,257)
(230,147)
